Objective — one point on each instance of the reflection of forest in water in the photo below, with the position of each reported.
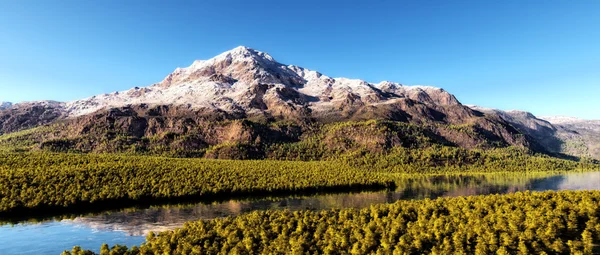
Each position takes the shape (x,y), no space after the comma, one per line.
(142,221)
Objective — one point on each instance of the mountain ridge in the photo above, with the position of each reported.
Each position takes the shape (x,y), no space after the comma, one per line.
(557,134)
(222,82)
(198,104)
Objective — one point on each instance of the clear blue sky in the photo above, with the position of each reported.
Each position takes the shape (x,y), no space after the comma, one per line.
(541,56)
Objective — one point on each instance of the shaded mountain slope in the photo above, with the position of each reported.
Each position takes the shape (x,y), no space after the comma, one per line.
(559,135)
(182,131)
(581,137)
(28,115)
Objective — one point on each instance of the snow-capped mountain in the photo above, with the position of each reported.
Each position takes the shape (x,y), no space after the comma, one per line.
(250,81)
(200,101)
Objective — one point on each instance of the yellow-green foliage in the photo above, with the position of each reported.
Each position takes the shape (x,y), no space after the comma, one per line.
(463,128)
(231,150)
(565,222)
(332,140)
(23,140)
(444,159)
(37,180)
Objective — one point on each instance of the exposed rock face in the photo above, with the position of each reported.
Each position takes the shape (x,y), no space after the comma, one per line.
(580,137)
(565,135)
(206,133)
(29,114)
(543,132)
(159,129)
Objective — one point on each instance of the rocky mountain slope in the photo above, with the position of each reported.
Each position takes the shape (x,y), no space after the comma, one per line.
(15,117)
(557,134)
(581,137)
(245,97)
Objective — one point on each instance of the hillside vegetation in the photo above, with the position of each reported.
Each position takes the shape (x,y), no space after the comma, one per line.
(251,139)
(40,182)
(563,222)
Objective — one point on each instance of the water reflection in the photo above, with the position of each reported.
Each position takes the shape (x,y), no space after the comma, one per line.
(582,181)
(141,222)
(130,225)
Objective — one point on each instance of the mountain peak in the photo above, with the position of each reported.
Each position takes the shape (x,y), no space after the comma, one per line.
(245,53)
(240,64)
(237,54)
(245,80)
(242,49)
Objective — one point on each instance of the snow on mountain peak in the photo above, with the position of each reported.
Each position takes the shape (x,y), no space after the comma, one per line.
(243,52)
(238,54)
(244,79)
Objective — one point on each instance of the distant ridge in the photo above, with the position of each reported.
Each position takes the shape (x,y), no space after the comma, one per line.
(558,134)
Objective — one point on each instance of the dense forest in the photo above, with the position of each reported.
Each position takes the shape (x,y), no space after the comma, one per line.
(408,186)
(43,182)
(55,181)
(565,222)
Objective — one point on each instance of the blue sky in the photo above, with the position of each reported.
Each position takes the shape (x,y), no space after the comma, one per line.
(541,56)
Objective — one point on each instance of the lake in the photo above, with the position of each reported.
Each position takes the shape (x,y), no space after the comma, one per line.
(129,226)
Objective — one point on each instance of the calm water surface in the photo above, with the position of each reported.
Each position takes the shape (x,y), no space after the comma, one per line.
(130,226)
